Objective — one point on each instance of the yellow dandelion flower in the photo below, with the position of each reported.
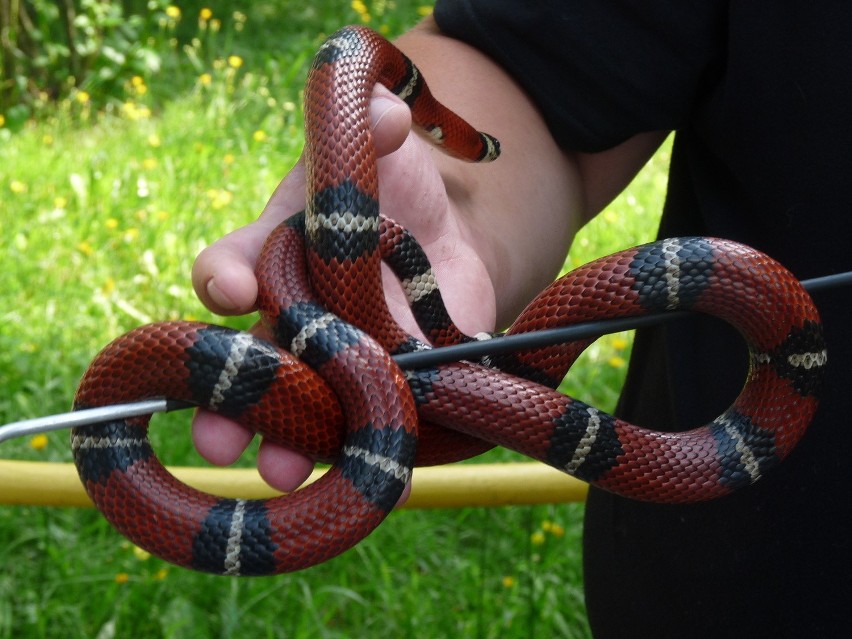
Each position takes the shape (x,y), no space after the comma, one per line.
(424,10)
(2,120)
(141,554)
(18,187)
(60,202)
(259,135)
(235,61)
(131,234)
(617,362)
(226,197)
(137,80)
(133,111)
(162,216)
(205,79)
(39,442)
(556,530)
(205,14)
(86,248)
(537,538)
(47,139)
(508,581)
(122,578)
(154,140)
(547,525)
(619,343)
(173,12)
(141,89)
(228,158)
(161,574)
(111,224)
(108,287)
(220,198)
(82,97)
(149,163)
(364,15)
(215,24)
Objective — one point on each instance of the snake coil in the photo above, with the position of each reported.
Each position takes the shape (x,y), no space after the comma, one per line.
(331,391)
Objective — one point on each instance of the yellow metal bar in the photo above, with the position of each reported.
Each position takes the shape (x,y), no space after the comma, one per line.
(454,486)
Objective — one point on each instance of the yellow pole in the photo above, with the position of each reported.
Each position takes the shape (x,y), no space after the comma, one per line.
(453,486)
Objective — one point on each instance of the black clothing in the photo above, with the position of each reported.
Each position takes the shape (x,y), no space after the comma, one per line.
(760,94)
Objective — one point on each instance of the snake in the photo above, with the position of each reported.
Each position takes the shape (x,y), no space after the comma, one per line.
(327,385)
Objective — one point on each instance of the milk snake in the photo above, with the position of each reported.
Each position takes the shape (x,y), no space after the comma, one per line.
(333,392)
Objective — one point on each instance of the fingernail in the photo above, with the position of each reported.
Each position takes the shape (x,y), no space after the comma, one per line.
(379,107)
(217,296)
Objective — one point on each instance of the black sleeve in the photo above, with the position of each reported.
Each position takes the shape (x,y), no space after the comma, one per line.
(599,70)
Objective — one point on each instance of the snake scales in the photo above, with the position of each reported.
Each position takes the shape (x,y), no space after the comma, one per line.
(331,390)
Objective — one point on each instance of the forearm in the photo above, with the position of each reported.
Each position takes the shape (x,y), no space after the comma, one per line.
(521,211)
(526,203)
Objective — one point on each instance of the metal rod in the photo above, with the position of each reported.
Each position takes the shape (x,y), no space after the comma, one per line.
(410,361)
(88,416)
(827,281)
(471,351)
(503,344)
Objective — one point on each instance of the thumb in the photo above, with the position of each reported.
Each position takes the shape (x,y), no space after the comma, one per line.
(223,274)
(390,120)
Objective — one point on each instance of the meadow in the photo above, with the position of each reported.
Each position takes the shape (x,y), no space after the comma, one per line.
(105,200)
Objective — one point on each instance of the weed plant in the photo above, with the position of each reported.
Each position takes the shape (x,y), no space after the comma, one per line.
(104,203)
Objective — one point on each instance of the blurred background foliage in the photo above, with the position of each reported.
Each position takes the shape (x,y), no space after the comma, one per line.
(90,50)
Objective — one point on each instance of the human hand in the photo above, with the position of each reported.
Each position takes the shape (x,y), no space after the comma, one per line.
(413,192)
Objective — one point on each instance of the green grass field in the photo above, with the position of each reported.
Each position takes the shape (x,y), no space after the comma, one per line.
(102,213)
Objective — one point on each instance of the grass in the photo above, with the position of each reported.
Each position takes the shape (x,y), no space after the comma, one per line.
(102,214)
